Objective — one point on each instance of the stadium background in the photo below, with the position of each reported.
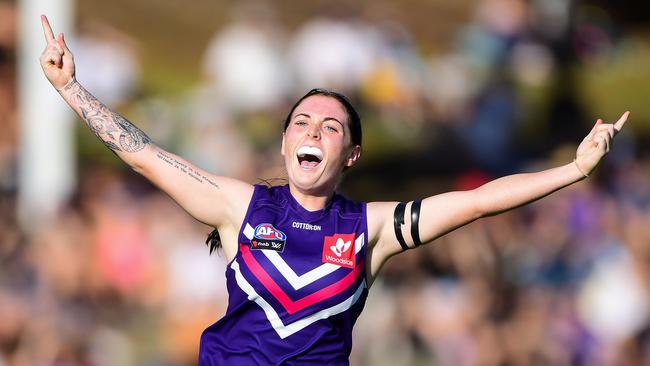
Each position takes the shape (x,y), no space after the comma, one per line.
(451,94)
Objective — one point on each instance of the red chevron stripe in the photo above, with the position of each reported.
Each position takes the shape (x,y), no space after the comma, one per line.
(293,306)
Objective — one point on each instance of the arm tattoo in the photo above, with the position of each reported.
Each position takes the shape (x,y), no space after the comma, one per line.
(113,130)
(131,138)
(187,169)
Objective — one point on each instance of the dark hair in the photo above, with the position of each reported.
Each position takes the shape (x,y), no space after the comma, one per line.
(353,117)
(214,241)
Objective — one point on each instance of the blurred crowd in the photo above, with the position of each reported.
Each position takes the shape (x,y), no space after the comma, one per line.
(121,275)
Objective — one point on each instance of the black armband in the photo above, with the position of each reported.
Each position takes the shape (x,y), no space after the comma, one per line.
(415,220)
(398,222)
(400,209)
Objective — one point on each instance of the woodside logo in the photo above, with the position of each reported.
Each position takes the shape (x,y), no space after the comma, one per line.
(339,249)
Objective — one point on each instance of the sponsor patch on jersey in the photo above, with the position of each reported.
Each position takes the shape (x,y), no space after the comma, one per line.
(339,249)
(305,226)
(266,236)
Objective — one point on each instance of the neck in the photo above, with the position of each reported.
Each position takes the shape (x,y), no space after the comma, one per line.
(311,201)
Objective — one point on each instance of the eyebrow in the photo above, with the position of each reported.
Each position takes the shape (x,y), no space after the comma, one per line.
(326,118)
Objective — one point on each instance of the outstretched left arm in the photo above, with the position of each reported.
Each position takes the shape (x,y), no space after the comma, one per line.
(446,212)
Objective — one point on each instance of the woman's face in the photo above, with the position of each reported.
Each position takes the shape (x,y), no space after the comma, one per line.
(317,145)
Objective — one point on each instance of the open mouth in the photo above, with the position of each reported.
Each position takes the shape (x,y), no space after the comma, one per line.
(309,157)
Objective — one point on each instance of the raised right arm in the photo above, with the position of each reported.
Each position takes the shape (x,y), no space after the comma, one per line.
(217,201)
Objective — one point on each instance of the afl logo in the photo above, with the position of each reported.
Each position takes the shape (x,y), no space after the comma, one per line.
(268,237)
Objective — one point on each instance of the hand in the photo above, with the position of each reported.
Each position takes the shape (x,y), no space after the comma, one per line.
(56,60)
(598,143)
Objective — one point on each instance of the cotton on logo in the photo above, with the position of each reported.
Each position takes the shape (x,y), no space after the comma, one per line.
(339,249)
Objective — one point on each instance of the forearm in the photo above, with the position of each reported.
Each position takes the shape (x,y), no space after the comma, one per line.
(118,134)
(519,189)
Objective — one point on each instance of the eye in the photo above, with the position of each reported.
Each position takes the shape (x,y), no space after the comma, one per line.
(331,128)
(300,123)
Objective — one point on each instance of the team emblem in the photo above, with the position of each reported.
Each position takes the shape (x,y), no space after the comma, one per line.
(339,249)
(268,237)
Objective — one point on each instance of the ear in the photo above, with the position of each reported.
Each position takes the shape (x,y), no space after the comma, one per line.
(354,155)
(282,148)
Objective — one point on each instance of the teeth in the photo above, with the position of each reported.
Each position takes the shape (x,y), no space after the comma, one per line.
(310,150)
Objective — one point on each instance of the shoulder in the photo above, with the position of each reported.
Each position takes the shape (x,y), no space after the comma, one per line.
(347,206)
(271,194)
(379,212)
(265,196)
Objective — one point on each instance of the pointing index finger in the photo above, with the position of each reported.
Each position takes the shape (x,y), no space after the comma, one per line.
(621,122)
(49,35)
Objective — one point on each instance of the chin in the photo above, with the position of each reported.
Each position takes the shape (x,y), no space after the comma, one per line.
(310,182)
(306,184)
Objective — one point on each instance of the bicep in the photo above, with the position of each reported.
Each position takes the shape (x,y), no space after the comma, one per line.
(438,215)
(211,199)
(446,212)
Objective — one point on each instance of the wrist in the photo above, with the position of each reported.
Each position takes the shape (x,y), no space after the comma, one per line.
(67,86)
(583,172)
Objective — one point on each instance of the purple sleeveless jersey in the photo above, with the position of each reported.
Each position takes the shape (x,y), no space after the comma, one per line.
(296,285)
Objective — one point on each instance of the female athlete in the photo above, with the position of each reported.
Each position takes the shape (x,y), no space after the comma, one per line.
(301,257)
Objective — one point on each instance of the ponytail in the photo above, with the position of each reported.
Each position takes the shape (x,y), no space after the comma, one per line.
(213,241)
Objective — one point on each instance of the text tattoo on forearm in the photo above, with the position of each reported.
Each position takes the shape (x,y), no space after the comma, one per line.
(184,168)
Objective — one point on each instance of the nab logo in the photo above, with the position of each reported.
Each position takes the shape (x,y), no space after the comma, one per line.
(339,249)
(268,237)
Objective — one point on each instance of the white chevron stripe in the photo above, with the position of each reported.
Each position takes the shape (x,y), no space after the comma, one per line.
(286,330)
(298,282)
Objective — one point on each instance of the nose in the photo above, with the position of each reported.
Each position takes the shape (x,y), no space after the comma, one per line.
(314,131)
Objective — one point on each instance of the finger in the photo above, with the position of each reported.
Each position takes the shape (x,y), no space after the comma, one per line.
(607,128)
(605,136)
(621,122)
(50,53)
(61,41)
(601,143)
(67,55)
(54,47)
(593,130)
(49,35)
